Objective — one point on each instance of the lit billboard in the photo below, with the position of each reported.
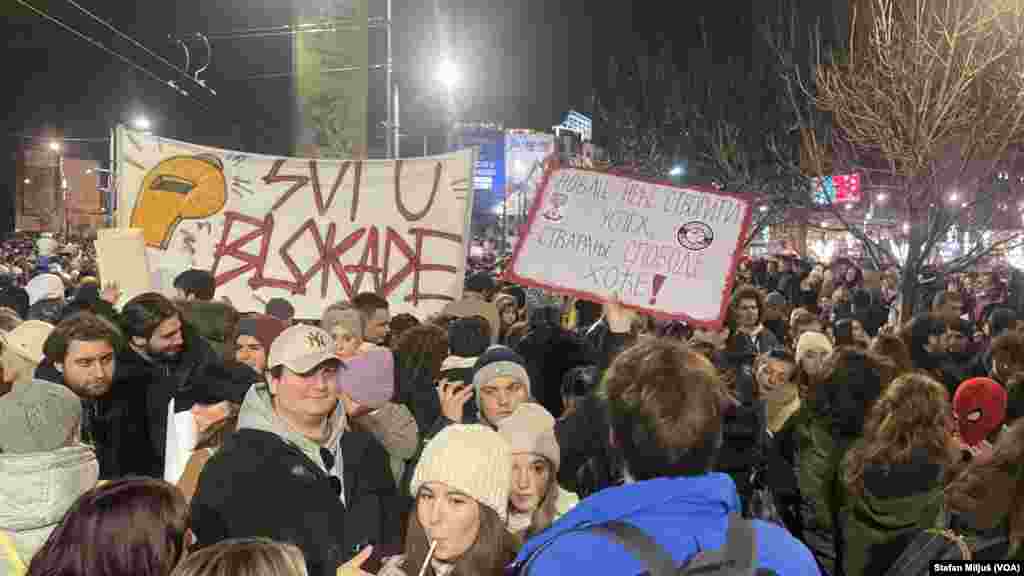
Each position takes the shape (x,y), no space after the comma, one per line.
(489,172)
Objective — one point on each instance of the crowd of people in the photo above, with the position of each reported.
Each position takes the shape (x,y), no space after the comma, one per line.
(516,432)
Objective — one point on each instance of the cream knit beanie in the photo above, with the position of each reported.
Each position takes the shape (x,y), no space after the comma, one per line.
(531,429)
(812,341)
(472,459)
(28,338)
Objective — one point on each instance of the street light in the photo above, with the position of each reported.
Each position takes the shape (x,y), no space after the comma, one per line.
(448,74)
(27,181)
(54,145)
(882,197)
(954,197)
(142,123)
(677,170)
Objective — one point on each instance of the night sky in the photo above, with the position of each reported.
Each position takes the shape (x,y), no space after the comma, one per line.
(524,63)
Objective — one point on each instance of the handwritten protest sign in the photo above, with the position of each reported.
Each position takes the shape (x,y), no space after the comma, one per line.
(665,250)
(312,231)
(121,259)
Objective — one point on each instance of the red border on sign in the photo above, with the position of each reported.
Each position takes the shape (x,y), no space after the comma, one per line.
(552,166)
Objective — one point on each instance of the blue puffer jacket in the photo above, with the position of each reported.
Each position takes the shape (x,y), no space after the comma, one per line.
(684,515)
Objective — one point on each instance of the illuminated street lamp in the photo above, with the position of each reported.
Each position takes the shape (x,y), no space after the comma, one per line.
(142,123)
(676,171)
(448,74)
(27,181)
(54,145)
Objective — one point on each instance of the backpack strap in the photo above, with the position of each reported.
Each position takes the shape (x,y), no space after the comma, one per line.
(642,546)
(738,555)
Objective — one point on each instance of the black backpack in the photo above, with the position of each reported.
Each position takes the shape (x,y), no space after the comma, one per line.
(736,558)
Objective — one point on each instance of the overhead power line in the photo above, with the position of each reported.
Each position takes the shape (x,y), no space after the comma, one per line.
(333,25)
(60,138)
(167,62)
(170,83)
(277,75)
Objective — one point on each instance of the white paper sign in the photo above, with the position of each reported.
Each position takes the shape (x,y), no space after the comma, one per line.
(666,250)
(312,231)
(121,259)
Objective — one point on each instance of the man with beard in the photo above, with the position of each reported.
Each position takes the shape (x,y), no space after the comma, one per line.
(175,369)
(82,350)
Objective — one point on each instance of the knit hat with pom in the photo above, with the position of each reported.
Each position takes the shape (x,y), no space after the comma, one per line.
(469,458)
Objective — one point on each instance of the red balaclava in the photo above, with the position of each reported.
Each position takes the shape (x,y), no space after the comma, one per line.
(979,407)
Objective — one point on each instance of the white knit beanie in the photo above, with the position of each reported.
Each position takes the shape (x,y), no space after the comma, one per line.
(531,430)
(472,459)
(812,341)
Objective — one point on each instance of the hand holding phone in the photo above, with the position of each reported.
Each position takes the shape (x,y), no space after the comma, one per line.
(453,397)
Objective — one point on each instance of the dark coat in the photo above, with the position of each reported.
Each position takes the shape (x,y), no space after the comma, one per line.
(188,381)
(550,352)
(258,485)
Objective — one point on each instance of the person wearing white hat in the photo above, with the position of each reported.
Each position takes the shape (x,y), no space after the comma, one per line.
(458,526)
(23,350)
(535,499)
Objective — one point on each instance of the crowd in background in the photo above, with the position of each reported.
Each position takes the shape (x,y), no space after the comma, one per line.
(819,431)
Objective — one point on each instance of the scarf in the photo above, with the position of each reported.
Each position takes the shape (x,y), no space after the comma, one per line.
(780,404)
(519,521)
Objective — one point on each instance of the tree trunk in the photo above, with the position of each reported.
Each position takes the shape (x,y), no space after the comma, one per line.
(909,281)
(801,236)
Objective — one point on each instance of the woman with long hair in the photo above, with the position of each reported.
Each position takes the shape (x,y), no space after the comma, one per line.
(245,557)
(535,500)
(457,527)
(128,527)
(893,477)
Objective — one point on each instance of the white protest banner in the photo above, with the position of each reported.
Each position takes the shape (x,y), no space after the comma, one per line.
(311,231)
(665,250)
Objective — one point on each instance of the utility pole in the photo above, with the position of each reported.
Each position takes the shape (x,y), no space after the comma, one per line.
(390,120)
(398,123)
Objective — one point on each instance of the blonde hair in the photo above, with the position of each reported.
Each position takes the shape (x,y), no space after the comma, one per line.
(244,557)
(913,412)
(544,516)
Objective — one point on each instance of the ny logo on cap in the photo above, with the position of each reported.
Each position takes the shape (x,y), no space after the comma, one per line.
(316,340)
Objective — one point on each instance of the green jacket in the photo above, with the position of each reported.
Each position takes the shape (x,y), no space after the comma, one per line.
(818,459)
(210,319)
(877,530)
